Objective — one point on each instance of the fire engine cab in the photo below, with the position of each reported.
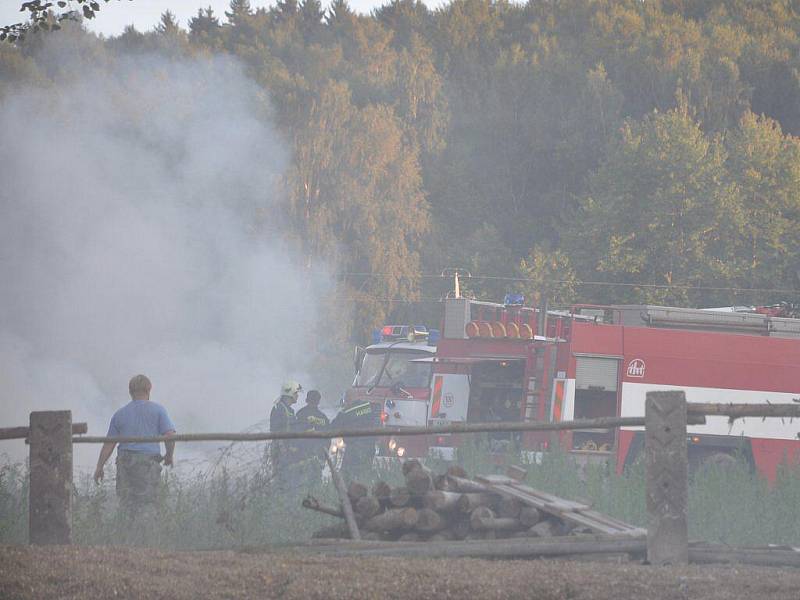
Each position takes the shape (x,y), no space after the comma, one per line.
(508,362)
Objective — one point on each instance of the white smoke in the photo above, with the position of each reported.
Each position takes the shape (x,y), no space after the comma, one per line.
(129,199)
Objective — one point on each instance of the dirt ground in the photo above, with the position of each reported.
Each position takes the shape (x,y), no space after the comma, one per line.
(112,572)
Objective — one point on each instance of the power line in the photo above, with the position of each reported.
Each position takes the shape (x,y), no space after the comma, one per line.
(665,286)
(400,300)
(646,285)
(512,279)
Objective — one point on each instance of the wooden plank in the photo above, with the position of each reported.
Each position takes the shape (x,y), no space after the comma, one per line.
(576,518)
(603,422)
(504,548)
(312,503)
(555,502)
(768,557)
(20,433)
(574,513)
(347,507)
(737,411)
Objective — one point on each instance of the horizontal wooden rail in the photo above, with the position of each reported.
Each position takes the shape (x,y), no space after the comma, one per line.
(508,548)
(737,411)
(21,433)
(600,423)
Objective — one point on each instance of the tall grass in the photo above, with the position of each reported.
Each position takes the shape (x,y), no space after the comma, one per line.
(223,509)
(727,503)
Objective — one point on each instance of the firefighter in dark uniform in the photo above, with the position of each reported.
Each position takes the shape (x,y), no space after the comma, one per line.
(311,418)
(282,418)
(358,452)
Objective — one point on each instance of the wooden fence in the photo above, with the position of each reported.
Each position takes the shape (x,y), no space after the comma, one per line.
(667,415)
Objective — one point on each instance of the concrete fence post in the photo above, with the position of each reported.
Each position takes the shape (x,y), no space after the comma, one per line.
(50,493)
(667,487)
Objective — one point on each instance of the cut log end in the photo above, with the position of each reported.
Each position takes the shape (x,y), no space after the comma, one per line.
(419,482)
(399,497)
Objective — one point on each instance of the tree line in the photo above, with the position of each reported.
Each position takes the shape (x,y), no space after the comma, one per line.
(594,151)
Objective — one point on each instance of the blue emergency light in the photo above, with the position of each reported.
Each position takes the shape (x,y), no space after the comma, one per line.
(514,300)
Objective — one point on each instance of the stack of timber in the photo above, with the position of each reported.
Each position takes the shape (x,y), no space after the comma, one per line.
(454,507)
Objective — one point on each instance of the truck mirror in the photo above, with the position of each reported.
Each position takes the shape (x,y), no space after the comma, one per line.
(358,357)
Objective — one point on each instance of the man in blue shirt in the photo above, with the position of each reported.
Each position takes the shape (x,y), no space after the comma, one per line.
(138,464)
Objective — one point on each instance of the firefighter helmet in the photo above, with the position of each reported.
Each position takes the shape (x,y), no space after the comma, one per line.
(291,388)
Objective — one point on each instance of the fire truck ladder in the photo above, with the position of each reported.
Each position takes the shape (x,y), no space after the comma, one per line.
(537,397)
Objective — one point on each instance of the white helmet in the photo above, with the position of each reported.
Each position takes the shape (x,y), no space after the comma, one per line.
(291,388)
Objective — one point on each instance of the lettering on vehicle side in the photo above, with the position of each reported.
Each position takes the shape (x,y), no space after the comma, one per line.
(448,400)
(636,368)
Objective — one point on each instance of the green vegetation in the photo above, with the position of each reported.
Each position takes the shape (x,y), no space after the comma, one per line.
(218,510)
(546,145)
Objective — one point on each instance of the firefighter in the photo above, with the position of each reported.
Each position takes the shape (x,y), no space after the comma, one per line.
(282,418)
(358,452)
(311,418)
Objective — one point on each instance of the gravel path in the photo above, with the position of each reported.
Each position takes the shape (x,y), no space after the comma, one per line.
(112,572)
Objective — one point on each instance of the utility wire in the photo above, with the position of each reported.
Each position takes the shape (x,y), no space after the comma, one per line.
(583,283)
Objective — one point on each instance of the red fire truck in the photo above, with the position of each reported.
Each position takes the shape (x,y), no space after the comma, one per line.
(507,362)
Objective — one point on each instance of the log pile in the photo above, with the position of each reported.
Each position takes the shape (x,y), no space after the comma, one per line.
(438,508)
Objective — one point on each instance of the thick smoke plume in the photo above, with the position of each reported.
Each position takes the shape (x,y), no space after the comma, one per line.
(130,242)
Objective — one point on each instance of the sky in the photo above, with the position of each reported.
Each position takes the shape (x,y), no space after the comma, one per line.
(144,14)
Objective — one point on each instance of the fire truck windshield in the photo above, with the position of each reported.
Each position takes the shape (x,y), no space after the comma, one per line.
(399,370)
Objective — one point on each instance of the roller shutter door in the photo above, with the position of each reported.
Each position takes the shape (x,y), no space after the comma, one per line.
(596,373)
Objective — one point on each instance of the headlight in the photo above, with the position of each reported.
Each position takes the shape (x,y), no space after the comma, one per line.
(401,451)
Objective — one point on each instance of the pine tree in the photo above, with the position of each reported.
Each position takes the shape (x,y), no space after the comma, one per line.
(240,10)
(204,23)
(285,9)
(405,18)
(311,15)
(168,24)
(339,12)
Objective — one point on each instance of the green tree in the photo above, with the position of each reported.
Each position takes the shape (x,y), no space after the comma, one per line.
(240,11)
(168,25)
(408,19)
(311,15)
(549,277)
(763,245)
(339,12)
(419,96)
(204,29)
(17,69)
(356,198)
(285,10)
(655,211)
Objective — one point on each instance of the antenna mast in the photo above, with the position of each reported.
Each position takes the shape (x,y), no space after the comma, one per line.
(456,273)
